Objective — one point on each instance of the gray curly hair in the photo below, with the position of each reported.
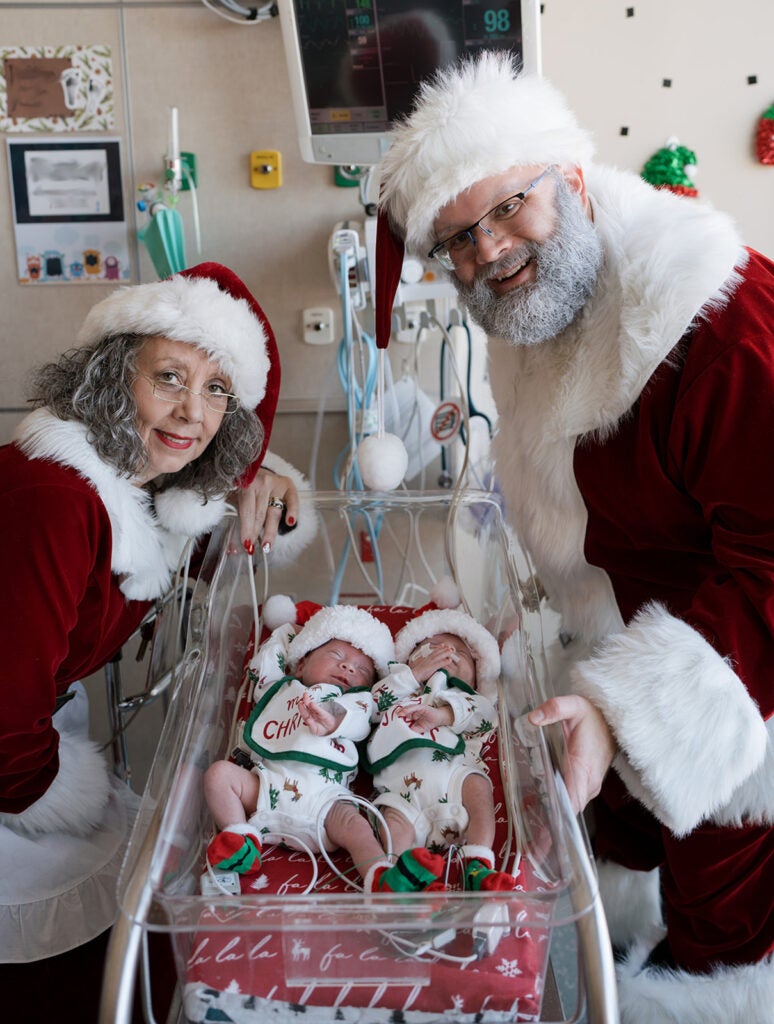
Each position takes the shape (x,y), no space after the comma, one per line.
(93,385)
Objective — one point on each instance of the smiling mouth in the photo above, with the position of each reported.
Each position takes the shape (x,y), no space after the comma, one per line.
(174,441)
(513,272)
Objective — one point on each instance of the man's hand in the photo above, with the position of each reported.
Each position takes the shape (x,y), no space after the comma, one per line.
(589,744)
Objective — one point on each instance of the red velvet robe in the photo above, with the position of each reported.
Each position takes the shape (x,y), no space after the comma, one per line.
(689,522)
(65,616)
(84,553)
(633,453)
(690,519)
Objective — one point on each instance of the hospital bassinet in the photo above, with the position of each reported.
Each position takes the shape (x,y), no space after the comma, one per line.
(334,953)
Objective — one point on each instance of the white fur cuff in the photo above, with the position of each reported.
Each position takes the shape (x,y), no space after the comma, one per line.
(245,828)
(76,799)
(689,731)
(472,851)
(186,512)
(727,995)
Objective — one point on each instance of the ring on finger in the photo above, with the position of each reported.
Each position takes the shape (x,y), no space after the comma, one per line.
(276,503)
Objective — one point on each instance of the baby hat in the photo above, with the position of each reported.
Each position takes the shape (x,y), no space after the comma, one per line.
(344,622)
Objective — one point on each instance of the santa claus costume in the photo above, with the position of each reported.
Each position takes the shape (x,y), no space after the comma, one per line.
(85,553)
(634,457)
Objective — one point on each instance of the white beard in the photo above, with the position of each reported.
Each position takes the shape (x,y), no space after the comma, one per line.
(567,268)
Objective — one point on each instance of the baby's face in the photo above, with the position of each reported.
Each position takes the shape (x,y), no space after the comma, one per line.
(463,663)
(337,661)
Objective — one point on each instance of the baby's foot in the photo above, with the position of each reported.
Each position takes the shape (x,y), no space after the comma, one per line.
(416,870)
(236,848)
(480,873)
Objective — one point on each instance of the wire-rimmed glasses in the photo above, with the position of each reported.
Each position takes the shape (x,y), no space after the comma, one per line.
(459,247)
(213,395)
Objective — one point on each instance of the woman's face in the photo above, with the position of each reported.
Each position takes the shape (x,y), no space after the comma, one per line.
(175,433)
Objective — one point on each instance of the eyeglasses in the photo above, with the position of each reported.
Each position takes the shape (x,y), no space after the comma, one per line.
(213,395)
(459,247)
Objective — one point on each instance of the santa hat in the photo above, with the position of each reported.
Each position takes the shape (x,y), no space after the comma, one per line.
(472,120)
(482,644)
(344,622)
(207,306)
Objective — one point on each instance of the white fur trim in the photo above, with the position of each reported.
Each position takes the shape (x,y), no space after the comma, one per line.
(753,800)
(445,593)
(244,828)
(474,851)
(668,261)
(278,609)
(472,121)
(75,800)
(193,310)
(60,890)
(288,546)
(727,995)
(145,549)
(482,644)
(345,622)
(690,730)
(632,903)
(186,512)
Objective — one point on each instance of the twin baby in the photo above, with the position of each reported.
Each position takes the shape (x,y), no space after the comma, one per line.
(428,702)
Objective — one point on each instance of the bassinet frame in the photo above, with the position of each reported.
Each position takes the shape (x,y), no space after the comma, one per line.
(495,579)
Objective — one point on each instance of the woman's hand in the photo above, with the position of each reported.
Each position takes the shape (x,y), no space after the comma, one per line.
(589,744)
(261,505)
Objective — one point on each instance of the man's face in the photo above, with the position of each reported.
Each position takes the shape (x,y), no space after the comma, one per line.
(528,281)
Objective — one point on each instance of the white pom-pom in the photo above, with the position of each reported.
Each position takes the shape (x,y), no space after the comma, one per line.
(277,609)
(445,594)
(691,170)
(382,461)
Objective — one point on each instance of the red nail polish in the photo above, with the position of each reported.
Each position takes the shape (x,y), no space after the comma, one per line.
(249,547)
(291,521)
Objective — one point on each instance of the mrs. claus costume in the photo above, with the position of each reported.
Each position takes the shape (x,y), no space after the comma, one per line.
(634,455)
(84,554)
